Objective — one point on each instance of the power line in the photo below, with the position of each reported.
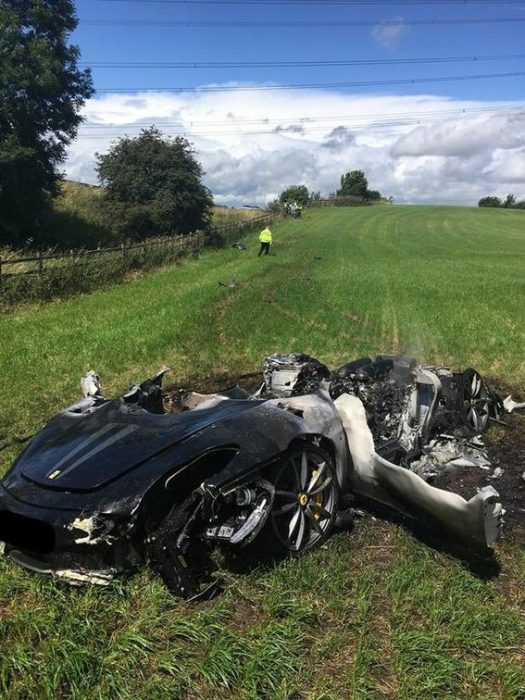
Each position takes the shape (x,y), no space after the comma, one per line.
(188,131)
(308,121)
(355,83)
(255,3)
(310,64)
(288,24)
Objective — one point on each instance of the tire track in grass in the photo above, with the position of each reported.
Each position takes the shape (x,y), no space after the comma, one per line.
(391,340)
(368,330)
(273,301)
(222,307)
(353,328)
(389,327)
(298,319)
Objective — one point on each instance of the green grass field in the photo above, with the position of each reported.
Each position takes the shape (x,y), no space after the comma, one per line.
(374,614)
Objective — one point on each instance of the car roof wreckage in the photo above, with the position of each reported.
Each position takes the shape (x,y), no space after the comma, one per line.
(165,477)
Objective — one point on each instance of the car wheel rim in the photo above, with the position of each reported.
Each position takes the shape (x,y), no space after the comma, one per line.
(305,499)
(476,403)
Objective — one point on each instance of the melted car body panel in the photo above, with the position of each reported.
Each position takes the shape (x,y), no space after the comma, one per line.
(476,522)
(87,453)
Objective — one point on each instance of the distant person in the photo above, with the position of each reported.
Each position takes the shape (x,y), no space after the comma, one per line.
(265,239)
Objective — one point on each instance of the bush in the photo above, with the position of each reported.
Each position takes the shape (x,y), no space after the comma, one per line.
(295,194)
(153,186)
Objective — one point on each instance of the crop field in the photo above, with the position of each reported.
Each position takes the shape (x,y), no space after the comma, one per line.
(377,612)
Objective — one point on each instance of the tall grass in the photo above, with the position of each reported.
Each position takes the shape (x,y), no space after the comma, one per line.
(223,216)
(80,273)
(76,220)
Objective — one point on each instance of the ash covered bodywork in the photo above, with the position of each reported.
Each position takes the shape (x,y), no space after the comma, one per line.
(424,418)
(165,477)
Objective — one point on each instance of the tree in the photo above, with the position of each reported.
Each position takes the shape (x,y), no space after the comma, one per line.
(153,185)
(353,184)
(489,202)
(510,201)
(41,92)
(295,193)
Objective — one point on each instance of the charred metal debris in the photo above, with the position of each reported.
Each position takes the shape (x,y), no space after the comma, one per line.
(166,477)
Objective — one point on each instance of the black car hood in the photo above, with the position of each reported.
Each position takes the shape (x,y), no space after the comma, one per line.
(84,453)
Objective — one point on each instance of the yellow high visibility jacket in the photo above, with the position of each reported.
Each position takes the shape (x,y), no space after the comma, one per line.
(265,236)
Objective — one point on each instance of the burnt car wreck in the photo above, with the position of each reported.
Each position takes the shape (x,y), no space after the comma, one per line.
(166,477)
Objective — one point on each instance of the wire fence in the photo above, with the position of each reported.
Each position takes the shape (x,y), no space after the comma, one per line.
(41,262)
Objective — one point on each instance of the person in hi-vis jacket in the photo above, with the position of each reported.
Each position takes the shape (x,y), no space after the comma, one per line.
(265,239)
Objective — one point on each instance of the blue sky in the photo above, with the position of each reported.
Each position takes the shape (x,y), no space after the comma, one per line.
(172,44)
(122,43)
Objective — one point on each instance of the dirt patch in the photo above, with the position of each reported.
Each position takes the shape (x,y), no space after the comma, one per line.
(506,451)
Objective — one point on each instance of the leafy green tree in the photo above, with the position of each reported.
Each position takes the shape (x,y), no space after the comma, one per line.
(353,184)
(489,202)
(41,92)
(510,201)
(295,193)
(153,185)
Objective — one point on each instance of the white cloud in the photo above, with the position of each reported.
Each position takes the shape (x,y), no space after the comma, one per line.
(508,168)
(464,138)
(251,175)
(388,34)
(254,144)
(338,138)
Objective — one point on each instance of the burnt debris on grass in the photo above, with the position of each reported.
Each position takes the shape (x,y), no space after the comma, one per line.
(506,453)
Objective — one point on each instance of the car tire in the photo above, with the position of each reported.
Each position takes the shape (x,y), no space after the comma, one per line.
(474,402)
(306,500)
